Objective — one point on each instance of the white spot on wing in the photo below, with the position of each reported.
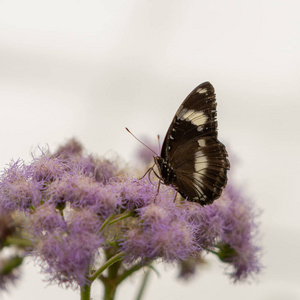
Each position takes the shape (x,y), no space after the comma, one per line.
(201,91)
(201,143)
(201,164)
(181,113)
(197,118)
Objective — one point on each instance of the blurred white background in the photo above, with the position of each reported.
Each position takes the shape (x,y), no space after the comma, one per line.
(89,68)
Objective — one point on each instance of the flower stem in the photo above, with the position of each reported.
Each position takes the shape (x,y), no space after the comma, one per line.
(85,292)
(17,241)
(124,216)
(110,291)
(111,280)
(109,220)
(143,285)
(106,222)
(111,261)
(129,272)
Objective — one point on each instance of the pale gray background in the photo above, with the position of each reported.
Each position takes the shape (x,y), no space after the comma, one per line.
(90,68)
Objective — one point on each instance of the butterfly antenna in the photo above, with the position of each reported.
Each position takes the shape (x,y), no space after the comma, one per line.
(141,141)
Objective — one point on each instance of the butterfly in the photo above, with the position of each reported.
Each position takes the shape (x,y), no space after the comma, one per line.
(193,161)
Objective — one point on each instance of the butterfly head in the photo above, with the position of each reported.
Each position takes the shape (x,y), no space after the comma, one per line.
(167,173)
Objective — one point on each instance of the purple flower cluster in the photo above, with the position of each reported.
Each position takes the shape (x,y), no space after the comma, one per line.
(65,199)
(74,202)
(161,231)
(69,245)
(228,228)
(17,190)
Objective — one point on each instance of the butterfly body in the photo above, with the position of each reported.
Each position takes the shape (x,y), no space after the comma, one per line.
(165,169)
(192,159)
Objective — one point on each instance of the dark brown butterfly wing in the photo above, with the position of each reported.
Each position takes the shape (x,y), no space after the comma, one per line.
(192,159)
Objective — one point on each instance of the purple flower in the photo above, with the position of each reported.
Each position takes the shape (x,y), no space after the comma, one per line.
(161,231)
(45,220)
(100,170)
(139,193)
(240,233)
(47,169)
(76,205)
(228,228)
(17,189)
(107,201)
(81,191)
(76,188)
(84,221)
(66,254)
(71,149)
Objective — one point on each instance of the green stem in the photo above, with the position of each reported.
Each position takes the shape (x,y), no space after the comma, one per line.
(143,285)
(111,261)
(85,292)
(17,241)
(8,265)
(214,252)
(124,216)
(111,281)
(128,272)
(110,290)
(109,220)
(106,222)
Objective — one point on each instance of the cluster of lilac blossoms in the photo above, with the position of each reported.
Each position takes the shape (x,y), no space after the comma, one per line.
(84,216)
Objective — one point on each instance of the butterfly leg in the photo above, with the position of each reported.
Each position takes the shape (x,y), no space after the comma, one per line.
(147,172)
(175,196)
(158,186)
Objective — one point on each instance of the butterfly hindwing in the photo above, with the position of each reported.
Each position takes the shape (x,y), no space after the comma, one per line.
(192,159)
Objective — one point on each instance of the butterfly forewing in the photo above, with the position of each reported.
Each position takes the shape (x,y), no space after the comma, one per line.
(192,160)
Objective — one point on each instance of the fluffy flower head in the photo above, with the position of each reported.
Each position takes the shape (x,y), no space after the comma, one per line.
(78,206)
